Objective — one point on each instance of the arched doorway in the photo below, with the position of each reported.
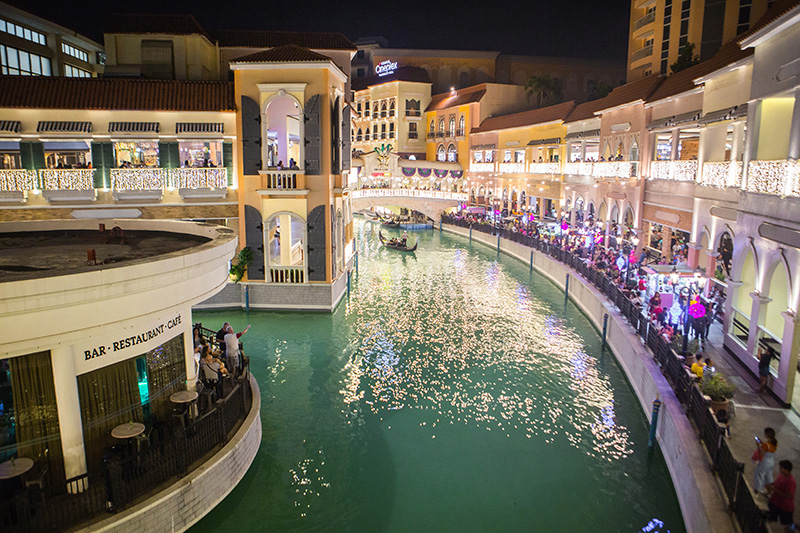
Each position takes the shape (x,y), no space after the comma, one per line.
(285,234)
(283,131)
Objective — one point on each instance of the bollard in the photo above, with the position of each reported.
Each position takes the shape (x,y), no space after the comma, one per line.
(356,262)
(440,225)
(654,423)
(247,298)
(566,290)
(348,283)
(470,234)
(498,243)
(531,260)
(605,328)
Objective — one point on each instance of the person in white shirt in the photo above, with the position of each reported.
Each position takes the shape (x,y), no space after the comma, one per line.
(232,352)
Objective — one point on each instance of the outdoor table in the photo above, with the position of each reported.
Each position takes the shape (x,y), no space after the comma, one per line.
(128,430)
(188,397)
(15,467)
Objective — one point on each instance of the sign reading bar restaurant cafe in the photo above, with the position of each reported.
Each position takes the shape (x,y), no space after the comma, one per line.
(385,68)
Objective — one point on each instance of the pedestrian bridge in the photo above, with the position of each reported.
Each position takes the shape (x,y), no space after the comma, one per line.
(431,203)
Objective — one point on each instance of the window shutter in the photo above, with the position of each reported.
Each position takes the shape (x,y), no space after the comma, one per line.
(312,141)
(169,155)
(254,239)
(251,137)
(102,160)
(336,137)
(227,160)
(346,140)
(316,244)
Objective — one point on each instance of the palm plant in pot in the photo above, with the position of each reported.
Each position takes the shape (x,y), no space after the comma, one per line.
(719,390)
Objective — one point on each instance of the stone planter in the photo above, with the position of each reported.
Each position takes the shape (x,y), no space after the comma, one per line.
(716,406)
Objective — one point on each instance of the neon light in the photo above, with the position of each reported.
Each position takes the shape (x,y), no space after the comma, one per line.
(384,68)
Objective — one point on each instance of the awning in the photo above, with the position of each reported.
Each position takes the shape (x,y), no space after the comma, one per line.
(133,127)
(199,127)
(483,147)
(10,126)
(52,126)
(537,142)
(582,135)
(685,118)
(67,145)
(741,111)
(659,123)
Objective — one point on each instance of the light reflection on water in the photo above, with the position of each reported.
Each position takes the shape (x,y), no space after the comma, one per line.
(450,391)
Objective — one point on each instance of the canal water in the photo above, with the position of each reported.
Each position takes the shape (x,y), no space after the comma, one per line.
(452,390)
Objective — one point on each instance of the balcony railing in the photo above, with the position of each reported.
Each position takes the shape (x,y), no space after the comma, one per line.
(283,179)
(198,178)
(412,135)
(287,274)
(460,132)
(781,178)
(138,179)
(511,168)
(641,54)
(578,169)
(481,167)
(67,179)
(412,193)
(383,114)
(644,20)
(440,134)
(18,180)
(412,112)
(722,174)
(543,168)
(674,170)
(615,169)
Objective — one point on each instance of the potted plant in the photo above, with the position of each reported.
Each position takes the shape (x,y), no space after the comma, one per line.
(240,267)
(692,348)
(719,390)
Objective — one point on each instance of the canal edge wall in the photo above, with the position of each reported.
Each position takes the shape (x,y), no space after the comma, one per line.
(699,497)
(185,502)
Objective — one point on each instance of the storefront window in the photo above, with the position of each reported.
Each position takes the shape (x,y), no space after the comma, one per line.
(69,154)
(9,155)
(663,146)
(507,156)
(477,156)
(135,154)
(201,153)
(490,156)
(519,156)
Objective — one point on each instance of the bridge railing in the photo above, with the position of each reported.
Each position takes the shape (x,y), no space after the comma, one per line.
(410,193)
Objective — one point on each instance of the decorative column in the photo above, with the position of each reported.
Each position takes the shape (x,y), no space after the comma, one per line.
(711,263)
(733,292)
(69,411)
(694,256)
(794,130)
(666,243)
(787,369)
(757,315)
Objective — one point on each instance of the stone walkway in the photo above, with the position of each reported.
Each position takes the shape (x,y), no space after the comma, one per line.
(754,412)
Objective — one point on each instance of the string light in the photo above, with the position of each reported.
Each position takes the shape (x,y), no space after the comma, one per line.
(543,168)
(16,180)
(781,178)
(481,167)
(674,170)
(512,168)
(78,179)
(722,174)
(578,169)
(197,178)
(612,169)
(138,179)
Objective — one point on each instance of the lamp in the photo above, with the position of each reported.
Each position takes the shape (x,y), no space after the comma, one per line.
(635,240)
(674,276)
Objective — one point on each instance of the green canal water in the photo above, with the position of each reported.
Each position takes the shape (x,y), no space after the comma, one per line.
(452,390)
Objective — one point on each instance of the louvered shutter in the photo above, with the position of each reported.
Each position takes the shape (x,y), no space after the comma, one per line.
(251,137)
(316,244)
(346,149)
(311,116)
(254,239)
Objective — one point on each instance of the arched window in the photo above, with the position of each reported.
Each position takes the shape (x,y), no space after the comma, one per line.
(359,135)
(452,126)
(461,126)
(432,128)
(391,109)
(452,155)
(440,153)
(440,133)
(375,110)
(383,109)
(366,108)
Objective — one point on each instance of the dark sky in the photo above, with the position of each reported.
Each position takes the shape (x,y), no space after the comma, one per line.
(577,28)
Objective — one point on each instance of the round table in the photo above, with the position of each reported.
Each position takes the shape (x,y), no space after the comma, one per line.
(127,430)
(15,467)
(184,396)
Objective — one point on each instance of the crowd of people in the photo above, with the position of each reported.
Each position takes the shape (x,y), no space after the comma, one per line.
(219,357)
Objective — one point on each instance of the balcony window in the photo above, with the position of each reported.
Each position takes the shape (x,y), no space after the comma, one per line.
(461,126)
(366,109)
(663,147)
(412,108)
(432,128)
(383,110)
(201,153)
(10,155)
(477,156)
(136,154)
(391,131)
(391,109)
(15,62)
(452,126)
(452,155)
(441,154)
(441,127)
(67,154)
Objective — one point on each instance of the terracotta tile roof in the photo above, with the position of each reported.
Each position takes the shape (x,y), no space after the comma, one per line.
(461,97)
(270,39)
(407,73)
(683,81)
(778,9)
(152,23)
(585,110)
(113,93)
(630,92)
(526,118)
(282,54)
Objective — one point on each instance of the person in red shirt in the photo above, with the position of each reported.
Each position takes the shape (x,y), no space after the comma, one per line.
(781,497)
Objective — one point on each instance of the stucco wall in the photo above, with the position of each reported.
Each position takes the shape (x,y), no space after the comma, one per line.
(701,503)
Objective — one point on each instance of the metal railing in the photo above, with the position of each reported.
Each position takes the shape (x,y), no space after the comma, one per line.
(641,54)
(687,391)
(644,20)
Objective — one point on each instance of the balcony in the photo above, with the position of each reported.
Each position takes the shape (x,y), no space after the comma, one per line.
(198,178)
(287,274)
(543,168)
(18,180)
(413,113)
(138,183)
(460,132)
(641,54)
(781,178)
(283,179)
(512,168)
(578,169)
(481,167)
(722,174)
(674,170)
(615,169)
(643,21)
(413,135)
(440,134)
(67,179)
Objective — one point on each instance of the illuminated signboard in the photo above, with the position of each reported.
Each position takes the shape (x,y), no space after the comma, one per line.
(384,68)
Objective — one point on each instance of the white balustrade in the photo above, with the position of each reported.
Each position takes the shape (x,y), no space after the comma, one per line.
(282,179)
(481,167)
(287,274)
(61,179)
(781,178)
(614,169)
(198,178)
(17,180)
(411,193)
(512,168)
(722,174)
(674,170)
(578,169)
(543,168)
(138,179)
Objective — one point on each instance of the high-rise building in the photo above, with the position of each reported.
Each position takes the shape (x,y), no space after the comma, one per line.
(659,29)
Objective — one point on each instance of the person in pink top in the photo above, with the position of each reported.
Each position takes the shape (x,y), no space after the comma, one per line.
(781,497)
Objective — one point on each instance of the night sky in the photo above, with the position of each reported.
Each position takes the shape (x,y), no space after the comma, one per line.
(577,28)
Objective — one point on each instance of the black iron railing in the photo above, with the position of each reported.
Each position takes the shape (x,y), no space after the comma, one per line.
(687,391)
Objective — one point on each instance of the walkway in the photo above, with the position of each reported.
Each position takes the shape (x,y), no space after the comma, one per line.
(754,412)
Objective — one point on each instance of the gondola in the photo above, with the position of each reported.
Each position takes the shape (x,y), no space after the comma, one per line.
(390,223)
(399,247)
